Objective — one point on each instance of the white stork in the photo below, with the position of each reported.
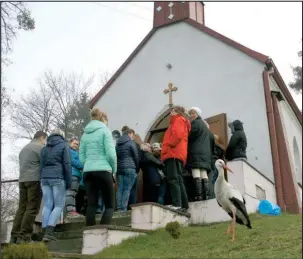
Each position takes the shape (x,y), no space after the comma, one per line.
(230,199)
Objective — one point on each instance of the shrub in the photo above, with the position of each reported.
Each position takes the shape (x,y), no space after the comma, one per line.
(173,228)
(26,251)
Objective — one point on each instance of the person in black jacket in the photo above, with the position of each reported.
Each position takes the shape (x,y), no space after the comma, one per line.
(238,143)
(199,153)
(152,168)
(128,166)
(56,178)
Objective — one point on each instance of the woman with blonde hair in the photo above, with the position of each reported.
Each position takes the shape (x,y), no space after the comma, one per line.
(174,156)
(97,153)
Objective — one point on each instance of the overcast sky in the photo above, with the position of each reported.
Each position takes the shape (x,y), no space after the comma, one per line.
(96,37)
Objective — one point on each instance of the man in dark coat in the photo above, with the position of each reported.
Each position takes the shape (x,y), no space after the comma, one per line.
(238,143)
(199,153)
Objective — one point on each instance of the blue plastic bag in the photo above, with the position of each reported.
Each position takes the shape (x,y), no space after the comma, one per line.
(268,208)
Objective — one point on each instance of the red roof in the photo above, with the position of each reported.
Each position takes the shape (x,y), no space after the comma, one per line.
(254,54)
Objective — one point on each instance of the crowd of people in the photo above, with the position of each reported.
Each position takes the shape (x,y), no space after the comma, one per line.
(81,176)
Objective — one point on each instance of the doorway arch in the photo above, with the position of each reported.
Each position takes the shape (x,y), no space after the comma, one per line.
(159,127)
(297,160)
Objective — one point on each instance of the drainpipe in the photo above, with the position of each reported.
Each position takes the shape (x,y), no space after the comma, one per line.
(273,138)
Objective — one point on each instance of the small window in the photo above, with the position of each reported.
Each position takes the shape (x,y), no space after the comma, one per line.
(261,195)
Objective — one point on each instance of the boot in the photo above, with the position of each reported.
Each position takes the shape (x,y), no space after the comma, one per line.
(13,240)
(49,234)
(40,235)
(198,189)
(205,189)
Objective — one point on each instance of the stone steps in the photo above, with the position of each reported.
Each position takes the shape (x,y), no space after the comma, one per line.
(73,245)
(56,255)
(70,235)
(79,223)
(75,238)
(151,216)
(96,238)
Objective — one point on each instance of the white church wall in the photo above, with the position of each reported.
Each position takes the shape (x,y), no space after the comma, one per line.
(293,133)
(208,73)
(251,183)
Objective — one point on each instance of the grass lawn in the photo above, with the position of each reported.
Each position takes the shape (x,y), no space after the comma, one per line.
(270,237)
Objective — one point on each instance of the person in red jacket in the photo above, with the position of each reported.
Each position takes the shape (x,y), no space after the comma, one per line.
(174,155)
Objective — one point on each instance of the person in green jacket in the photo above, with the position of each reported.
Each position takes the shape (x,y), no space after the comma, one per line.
(98,154)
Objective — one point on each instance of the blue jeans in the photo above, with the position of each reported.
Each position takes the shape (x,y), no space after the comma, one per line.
(53,191)
(126,180)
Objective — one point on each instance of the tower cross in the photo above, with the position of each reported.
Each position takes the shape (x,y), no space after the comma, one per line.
(170,91)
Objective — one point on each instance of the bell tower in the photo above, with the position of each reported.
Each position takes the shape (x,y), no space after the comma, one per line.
(170,12)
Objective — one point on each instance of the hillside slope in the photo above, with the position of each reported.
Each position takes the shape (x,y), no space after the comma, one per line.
(271,237)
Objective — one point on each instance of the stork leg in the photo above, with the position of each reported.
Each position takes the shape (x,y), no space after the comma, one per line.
(228,229)
(234,226)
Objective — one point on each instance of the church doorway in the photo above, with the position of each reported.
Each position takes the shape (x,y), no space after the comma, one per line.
(217,124)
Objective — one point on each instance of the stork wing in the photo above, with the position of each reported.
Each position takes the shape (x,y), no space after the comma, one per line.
(235,193)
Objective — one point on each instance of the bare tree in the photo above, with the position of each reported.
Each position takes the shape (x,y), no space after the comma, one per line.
(14,16)
(9,204)
(50,106)
(33,112)
(67,90)
(104,78)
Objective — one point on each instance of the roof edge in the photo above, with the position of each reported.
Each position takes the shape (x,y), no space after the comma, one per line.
(121,68)
(285,90)
(254,54)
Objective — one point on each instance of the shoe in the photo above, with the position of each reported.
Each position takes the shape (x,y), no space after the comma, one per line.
(49,234)
(173,207)
(13,240)
(38,236)
(73,214)
(23,240)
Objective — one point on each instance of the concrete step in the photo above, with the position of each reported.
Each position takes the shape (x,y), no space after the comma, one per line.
(150,216)
(79,223)
(56,255)
(73,245)
(97,238)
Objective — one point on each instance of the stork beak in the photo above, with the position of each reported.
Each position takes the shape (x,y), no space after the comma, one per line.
(225,167)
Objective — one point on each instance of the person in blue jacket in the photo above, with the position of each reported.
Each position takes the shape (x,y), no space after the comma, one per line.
(77,167)
(55,178)
(128,166)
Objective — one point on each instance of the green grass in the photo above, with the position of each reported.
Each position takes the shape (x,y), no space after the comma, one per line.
(271,237)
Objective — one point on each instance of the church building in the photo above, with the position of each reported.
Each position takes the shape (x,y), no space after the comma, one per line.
(183,62)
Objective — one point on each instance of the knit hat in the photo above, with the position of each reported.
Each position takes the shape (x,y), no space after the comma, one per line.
(156,146)
(59,132)
(197,110)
